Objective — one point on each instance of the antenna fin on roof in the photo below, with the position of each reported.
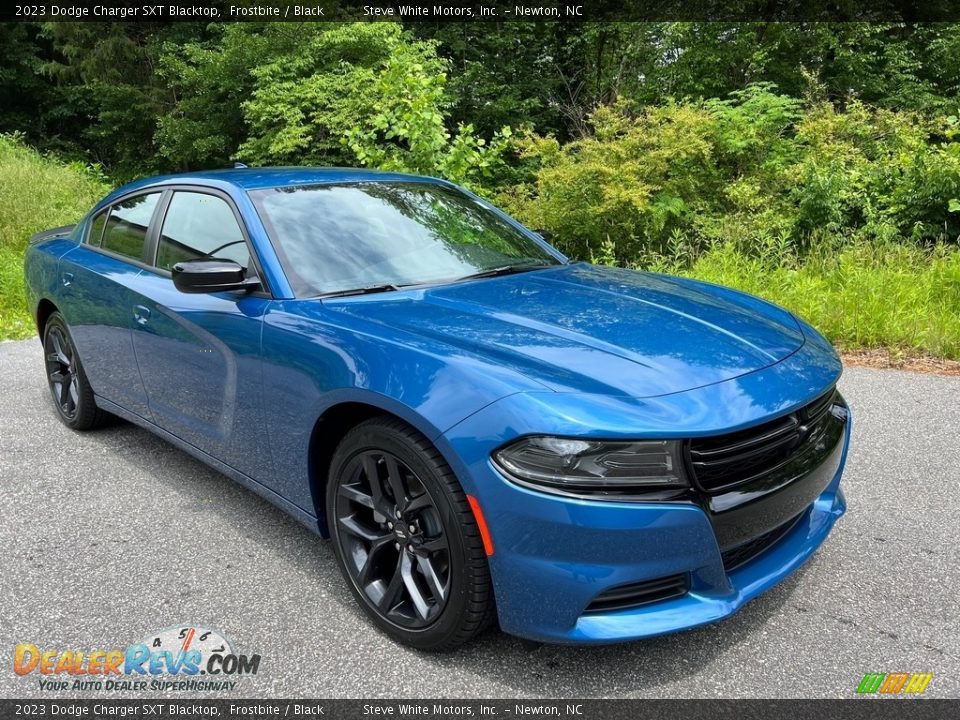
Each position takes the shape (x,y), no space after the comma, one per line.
(240,165)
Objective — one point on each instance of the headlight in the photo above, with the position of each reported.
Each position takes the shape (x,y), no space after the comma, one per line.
(592,465)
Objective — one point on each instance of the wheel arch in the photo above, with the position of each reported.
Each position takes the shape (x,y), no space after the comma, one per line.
(45,308)
(344,414)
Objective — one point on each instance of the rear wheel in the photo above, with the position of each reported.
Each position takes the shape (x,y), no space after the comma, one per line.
(405,538)
(71,392)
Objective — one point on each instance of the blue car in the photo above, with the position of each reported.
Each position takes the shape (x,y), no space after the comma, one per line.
(485,430)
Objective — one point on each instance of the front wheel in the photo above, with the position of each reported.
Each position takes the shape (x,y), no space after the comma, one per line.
(71,392)
(405,537)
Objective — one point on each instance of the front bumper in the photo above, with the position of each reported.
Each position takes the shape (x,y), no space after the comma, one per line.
(554,555)
(708,602)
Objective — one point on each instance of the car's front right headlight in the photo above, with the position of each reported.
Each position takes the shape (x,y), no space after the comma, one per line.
(584,466)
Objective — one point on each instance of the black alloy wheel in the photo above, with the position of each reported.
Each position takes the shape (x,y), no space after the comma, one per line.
(393,539)
(69,388)
(405,537)
(60,373)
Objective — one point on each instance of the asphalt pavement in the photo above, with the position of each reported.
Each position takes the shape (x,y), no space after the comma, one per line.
(110,536)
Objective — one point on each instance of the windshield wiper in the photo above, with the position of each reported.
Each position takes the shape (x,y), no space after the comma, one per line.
(504,270)
(388,287)
(368,290)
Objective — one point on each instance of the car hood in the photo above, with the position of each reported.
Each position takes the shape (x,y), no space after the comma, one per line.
(583,328)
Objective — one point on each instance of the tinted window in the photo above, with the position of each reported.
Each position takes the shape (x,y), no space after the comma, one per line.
(340,237)
(96,229)
(126,229)
(200,226)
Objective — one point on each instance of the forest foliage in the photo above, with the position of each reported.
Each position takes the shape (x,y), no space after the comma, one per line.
(784,158)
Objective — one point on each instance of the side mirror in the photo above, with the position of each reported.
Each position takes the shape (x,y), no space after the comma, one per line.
(208,276)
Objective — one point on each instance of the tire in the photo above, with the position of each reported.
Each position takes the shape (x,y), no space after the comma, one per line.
(72,396)
(416,566)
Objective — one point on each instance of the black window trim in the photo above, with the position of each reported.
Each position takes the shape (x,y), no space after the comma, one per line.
(156,225)
(88,240)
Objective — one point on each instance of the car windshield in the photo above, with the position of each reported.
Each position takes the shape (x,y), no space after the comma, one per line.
(378,236)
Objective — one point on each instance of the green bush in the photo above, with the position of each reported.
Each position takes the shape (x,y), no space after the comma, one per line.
(36,193)
(848,217)
(753,167)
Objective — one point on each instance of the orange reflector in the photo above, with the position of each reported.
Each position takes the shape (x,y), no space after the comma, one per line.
(481,525)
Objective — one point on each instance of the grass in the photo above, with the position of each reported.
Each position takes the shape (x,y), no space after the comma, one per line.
(896,297)
(36,193)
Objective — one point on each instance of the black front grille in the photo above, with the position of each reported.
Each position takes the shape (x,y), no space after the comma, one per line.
(720,462)
(640,593)
(744,553)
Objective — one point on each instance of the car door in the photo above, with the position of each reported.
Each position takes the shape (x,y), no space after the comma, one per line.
(199,354)
(97,280)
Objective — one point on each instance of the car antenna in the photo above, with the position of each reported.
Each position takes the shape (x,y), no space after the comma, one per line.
(239,165)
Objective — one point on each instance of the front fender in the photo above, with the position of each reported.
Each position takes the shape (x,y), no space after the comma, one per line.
(314,360)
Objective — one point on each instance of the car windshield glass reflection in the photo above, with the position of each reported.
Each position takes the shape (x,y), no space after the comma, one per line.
(336,238)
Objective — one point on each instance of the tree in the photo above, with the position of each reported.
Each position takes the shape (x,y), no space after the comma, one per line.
(106,75)
(209,80)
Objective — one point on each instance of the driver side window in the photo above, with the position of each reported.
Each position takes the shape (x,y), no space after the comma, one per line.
(197,226)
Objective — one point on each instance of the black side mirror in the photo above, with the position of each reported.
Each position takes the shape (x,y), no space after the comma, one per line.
(208,276)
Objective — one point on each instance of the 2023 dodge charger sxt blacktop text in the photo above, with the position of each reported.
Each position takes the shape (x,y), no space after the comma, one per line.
(484,429)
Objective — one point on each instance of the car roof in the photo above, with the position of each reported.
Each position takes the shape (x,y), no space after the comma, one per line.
(268,177)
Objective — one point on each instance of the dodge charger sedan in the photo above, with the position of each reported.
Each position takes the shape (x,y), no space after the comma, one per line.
(485,430)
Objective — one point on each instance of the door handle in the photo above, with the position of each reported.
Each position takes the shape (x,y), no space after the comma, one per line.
(66,278)
(141,314)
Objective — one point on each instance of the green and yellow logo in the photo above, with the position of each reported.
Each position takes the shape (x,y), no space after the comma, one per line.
(894,683)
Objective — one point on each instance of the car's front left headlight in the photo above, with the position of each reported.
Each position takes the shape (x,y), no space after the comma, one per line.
(584,466)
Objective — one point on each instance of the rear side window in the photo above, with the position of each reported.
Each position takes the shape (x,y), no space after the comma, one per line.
(126,228)
(197,226)
(96,229)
